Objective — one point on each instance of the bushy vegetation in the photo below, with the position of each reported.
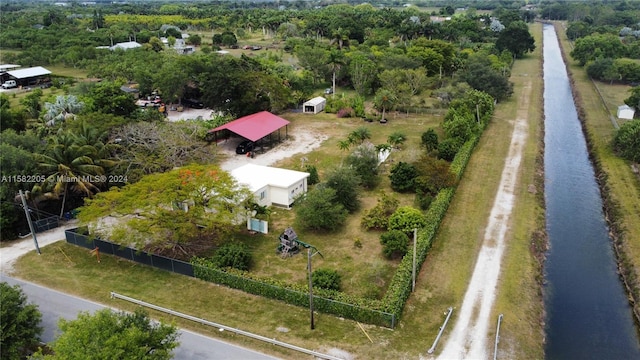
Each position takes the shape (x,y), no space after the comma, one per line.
(130,335)
(378,216)
(626,142)
(326,278)
(234,255)
(395,243)
(319,209)
(20,323)
(406,219)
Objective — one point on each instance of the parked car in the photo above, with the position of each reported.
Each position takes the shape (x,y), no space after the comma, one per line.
(245,146)
(328,91)
(193,103)
(9,84)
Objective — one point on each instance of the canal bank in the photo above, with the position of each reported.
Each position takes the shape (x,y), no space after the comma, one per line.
(587,313)
(619,186)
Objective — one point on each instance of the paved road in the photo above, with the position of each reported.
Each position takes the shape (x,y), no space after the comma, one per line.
(54,304)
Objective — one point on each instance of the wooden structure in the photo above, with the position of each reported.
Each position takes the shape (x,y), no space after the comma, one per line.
(289,243)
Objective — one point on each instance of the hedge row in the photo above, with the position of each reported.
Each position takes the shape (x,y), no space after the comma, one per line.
(400,287)
(326,301)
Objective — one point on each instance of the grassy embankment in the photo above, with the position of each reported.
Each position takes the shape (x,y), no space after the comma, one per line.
(441,284)
(620,186)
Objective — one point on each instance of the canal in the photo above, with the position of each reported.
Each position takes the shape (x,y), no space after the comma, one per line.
(587,313)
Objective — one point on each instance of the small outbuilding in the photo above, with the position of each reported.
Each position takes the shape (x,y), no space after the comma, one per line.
(270,185)
(314,105)
(625,112)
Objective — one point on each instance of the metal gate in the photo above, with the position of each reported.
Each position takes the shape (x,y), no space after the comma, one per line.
(259,225)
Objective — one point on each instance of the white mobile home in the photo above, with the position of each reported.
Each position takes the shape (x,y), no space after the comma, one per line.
(314,105)
(270,185)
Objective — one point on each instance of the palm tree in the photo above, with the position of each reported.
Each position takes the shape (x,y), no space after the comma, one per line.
(396,139)
(335,62)
(359,135)
(384,100)
(69,166)
(64,108)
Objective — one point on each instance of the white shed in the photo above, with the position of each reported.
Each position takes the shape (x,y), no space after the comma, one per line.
(314,105)
(625,112)
(270,185)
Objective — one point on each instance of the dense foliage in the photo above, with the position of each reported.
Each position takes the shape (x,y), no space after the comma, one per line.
(235,255)
(19,323)
(394,243)
(106,334)
(175,212)
(326,278)
(320,209)
(378,216)
(626,142)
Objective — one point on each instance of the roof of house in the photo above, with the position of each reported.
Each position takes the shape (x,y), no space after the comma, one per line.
(624,107)
(5,67)
(29,72)
(255,126)
(315,101)
(125,45)
(257,176)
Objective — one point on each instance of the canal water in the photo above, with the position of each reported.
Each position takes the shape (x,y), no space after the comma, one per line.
(588,316)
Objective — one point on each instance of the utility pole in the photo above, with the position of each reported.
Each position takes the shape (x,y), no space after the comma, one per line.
(413,273)
(310,286)
(26,213)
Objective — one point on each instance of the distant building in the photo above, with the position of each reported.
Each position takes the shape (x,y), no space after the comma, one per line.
(33,76)
(125,45)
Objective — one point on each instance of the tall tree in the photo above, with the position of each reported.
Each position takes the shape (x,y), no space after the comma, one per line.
(171,210)
(335,61)
(516,39)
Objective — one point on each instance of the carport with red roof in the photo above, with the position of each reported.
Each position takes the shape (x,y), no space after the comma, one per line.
(254,127)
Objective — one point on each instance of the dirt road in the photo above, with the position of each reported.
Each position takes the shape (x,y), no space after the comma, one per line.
(468,340)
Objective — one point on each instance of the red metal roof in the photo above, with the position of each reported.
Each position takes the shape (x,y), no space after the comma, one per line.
(255,126)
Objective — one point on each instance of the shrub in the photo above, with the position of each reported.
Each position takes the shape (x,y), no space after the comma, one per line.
(403,177)
(314,178)
(378,216)
(395,244)
(320,210)
(626,142)
(448,148)
(233,255)
(346,113)
(364,161)
(345,182)
(406,218)
(326,279)
(429,140)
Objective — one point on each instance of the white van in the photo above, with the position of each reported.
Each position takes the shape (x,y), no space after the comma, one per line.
(9,84)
